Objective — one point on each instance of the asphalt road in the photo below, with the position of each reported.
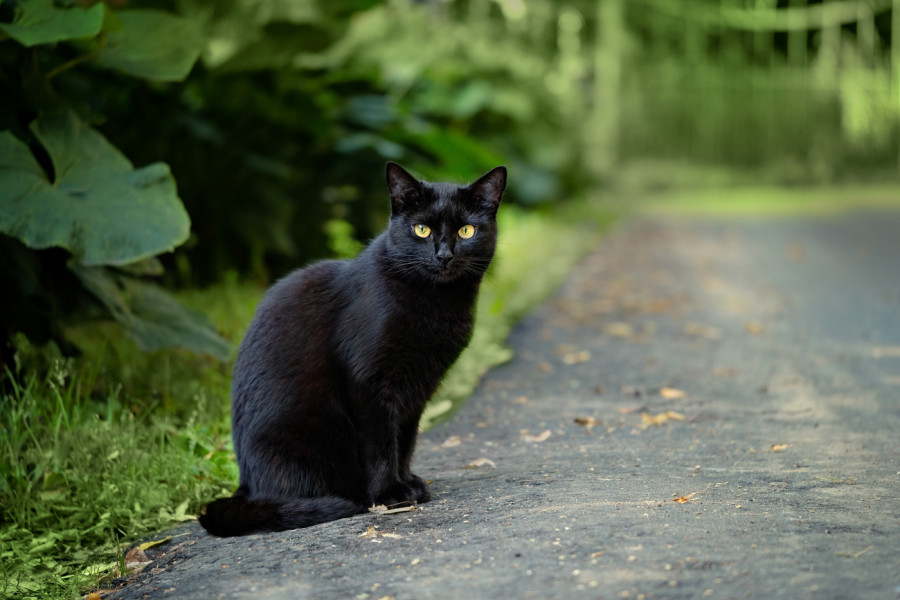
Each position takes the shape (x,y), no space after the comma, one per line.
(737,385)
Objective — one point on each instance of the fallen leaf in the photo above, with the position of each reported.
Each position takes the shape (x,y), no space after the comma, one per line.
(686,499)
(780,447)
(649,420)
(704,331)
(576,357)
(627,410)
(480,462)
(754,327)
(854,554)
(588,422)
(93,596)
(886,351)
(526,437)
(622,330)
(452,441)
(153,544)
(393,536)
(671,393)
(370,532)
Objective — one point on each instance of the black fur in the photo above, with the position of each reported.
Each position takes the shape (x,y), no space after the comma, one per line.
(342,356)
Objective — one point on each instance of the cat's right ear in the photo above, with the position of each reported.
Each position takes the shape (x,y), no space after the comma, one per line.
(404,188)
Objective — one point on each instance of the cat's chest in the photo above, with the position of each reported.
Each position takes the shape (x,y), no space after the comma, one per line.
(428,322)
(404,334)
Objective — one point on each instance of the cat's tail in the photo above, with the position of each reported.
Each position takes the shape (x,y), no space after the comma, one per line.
(238,516)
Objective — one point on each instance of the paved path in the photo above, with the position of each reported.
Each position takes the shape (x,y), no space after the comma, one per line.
(738,387)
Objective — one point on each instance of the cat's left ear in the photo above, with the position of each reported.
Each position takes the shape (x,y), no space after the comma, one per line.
(404,188)
(489,189)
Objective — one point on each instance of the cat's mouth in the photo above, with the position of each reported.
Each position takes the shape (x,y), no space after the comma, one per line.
(445,273)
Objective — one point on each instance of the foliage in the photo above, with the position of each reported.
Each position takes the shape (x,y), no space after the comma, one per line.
(79,474)
(79,225)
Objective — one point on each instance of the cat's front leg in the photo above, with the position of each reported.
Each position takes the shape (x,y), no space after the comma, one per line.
(388,488)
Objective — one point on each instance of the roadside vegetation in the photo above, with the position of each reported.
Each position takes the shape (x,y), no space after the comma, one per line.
(102,449)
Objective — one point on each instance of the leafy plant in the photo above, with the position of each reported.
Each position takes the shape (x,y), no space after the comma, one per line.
(80,226)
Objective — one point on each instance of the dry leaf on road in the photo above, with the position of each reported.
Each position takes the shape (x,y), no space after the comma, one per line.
(527,437)
(574,358)
(704,331)
(480,462)
(622,330)
(686,499)
(672,393)
(370,532)
(754,327)
(649,420)
(588,422)
(885,351)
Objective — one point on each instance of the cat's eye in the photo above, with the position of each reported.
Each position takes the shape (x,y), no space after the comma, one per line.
(423,231)
(466,231)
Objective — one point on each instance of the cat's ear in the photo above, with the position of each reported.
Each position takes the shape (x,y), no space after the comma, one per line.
(404,188)
(489,189)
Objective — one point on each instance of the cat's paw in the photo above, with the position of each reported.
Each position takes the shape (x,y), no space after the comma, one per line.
(411,491)
(420,488)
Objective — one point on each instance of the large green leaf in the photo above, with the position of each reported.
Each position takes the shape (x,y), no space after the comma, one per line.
(151,317)
(43,22)
(278,46)
(97,205)
(153,44)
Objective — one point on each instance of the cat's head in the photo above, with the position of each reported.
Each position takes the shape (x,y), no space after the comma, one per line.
(441,232)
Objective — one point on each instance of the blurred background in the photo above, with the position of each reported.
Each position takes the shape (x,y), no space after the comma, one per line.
(276,116)
(161,162)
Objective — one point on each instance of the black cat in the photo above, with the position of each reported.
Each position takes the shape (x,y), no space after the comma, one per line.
(342,356)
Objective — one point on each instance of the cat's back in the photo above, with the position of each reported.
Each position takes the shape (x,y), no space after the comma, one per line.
(293,318)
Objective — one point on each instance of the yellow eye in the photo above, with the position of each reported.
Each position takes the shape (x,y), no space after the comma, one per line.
(466,231)
(423,231)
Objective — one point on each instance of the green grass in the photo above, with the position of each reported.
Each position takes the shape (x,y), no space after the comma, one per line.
(82,474)
(101,450)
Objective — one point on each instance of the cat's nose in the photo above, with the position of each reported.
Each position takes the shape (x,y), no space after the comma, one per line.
(444,255)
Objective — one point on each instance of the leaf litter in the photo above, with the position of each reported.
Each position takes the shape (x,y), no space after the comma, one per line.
(480,462)
(687,498)
(648,420)
(672,393)
(588,422)
(541,437)
(372,533)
